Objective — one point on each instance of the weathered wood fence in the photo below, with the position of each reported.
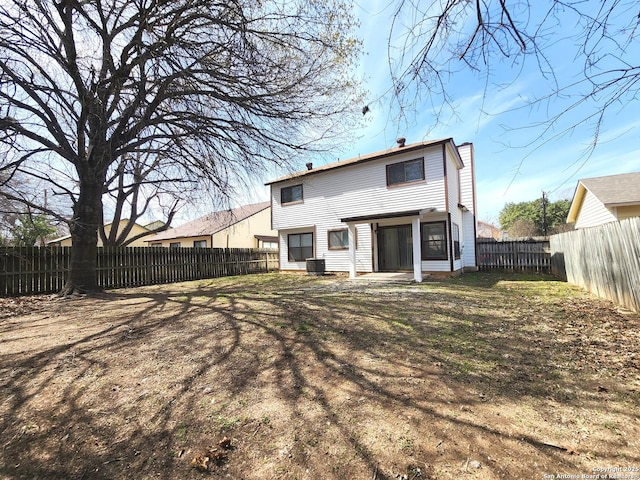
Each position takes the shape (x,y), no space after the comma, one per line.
(514,255)
(604,260)
(31,270)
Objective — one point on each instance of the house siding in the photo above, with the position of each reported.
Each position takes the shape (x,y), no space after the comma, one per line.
(184,242)
(629,211)
(350,192)
(467,198)
(455,214)
(592,212)
(136,230)
(243,233)
(240,232)
(359,189)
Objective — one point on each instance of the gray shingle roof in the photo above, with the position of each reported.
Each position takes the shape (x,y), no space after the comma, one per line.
(615,189)
(361,159)
(211,223)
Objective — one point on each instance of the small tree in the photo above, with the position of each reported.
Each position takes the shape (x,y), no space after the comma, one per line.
(534,217)
(31,230)
(522,228)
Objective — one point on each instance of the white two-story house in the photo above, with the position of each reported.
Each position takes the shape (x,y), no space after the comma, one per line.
(409,208)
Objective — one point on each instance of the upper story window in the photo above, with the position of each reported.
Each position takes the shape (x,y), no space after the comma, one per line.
(291,194)
(405,172)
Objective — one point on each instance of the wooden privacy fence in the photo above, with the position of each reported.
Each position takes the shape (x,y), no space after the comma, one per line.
(514,255)
(31,270)
(604,260)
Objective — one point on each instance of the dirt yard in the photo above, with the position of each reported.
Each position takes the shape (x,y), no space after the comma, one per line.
(295,377)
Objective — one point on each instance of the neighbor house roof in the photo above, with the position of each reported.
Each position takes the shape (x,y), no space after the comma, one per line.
(211,223)
(486,230)
(612,191)
(311,170)
(108,224)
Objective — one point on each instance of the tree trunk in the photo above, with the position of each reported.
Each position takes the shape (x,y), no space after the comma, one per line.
(87,217)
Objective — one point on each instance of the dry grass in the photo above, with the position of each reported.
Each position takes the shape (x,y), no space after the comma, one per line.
(483,376)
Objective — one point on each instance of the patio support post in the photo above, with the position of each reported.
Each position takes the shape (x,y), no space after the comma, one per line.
(417,254)
(352,250)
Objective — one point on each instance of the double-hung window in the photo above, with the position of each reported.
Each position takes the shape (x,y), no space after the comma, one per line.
(291,194)
(300,246)
(434,241)
(405,172)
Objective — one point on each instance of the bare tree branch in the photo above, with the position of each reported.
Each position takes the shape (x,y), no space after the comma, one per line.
(208,92)
(450,34)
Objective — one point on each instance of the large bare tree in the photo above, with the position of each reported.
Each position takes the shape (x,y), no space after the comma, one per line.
(122,97)
(432,41)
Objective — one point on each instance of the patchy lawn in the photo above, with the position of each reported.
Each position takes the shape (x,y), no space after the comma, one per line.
(296,377)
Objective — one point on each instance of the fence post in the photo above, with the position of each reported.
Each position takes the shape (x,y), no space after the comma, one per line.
(34,270)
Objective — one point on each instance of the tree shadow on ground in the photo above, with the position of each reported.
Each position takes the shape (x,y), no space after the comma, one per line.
(317,378)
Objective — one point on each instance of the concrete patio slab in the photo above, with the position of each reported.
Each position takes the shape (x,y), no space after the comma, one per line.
(392,277)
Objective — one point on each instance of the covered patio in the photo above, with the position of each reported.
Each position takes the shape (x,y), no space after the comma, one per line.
(407,257)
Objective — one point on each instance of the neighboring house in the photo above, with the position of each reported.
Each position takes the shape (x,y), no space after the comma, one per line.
(605,199)
(409,208)
(248,226)
(486,230)
(135,230)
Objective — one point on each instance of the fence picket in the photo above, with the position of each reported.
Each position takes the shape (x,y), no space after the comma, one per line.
(33,270)
(514,255)
(604,260)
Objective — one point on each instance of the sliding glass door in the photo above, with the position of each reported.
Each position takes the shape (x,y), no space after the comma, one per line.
(395,248)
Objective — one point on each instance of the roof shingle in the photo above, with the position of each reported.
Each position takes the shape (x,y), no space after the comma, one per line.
(615,189)
(211,223)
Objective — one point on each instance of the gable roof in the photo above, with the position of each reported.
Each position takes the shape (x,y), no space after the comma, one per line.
(211,223)
(612,191)
(369,157)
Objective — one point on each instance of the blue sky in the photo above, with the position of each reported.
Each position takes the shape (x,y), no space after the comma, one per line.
(512,163)
(509,168)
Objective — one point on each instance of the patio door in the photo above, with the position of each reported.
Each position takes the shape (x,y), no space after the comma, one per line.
(395,248)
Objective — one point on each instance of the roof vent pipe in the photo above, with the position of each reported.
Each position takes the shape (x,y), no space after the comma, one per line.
(309,166)
(400,141)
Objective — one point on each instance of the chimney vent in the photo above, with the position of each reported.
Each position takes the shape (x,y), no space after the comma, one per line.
(400,141)
(309,166)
